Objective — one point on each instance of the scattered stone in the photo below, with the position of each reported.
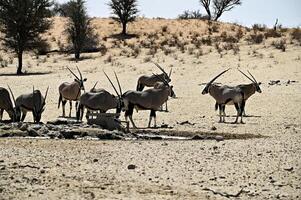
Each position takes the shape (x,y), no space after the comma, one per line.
(32,132)
(24,127)
(186,122)
(289,169)
(274,82)
(36,127)
(108,136)
(95,160)
(6,127)
(199,137)
(42,171)
(130,167)
(43,130)
(219,138)
(213,128)
(53,134)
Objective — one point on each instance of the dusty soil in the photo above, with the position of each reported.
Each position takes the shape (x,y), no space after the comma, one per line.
(261,168)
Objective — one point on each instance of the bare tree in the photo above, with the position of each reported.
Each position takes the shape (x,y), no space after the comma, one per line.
(125,11)
(206,5)
(218,7)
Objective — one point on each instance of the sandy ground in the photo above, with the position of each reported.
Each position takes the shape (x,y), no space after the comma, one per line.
(266,168)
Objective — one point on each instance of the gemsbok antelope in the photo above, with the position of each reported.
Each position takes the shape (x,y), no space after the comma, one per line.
(225,94)
(71,91)
(100,100)
(152,80)
(247,89)
(33,102)
(151,99)
(7,105)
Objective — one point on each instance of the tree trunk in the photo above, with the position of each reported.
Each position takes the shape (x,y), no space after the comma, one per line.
(20,59)
(77,55)
(123,28)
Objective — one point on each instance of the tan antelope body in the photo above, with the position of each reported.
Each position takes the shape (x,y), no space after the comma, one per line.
(151,99)
(225,94)
(152,80)
(100,100)
(33,102)
(247,89)
(7,105)
(71,91)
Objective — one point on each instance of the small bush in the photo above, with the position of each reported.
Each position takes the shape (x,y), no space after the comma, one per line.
(280,44)
(207,41)
(259,27)
(164,29)
(296,34)
(147,59)
(272,33)
(255,38)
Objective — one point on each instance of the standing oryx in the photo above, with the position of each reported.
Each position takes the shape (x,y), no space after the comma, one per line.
(100,100)
(247,89)
(33,102)
(150,81)
(225,94)
(150,99)
(71,91)
(7,105)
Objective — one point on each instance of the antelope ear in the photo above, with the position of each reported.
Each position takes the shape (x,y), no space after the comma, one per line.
(85,79)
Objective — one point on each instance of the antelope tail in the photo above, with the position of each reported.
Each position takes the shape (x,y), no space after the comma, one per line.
(60,99)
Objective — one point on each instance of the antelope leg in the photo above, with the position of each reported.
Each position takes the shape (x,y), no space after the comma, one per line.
(70,102)
(220,113)
(24,112)
(166,109)
(149,122)
(131,119)
(63,106)
(238,112)
(1,114)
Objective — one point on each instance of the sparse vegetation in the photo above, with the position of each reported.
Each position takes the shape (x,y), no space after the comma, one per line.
(280,44)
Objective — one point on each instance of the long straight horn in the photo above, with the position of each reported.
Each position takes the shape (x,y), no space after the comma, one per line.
(246,76)
(80,74)
(94,86)
(252,77)
(12,94)
(111,83)
(210,82)
(33,101)
(46,94)
(73,73)
(118,84)
(170,73)
(161,68)
(161,79)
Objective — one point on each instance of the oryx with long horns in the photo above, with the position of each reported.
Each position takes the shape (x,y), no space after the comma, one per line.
(100,100)
(33,102)
(7,105)
(247,89)
(225,94)
(151,99)
(152,80)
(71,91)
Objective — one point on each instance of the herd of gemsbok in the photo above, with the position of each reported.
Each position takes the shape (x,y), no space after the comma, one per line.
(152,99)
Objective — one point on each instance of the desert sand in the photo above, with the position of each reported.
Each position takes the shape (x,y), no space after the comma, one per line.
(258,168)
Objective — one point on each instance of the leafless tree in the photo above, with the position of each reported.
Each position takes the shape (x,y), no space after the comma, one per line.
(218,7)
